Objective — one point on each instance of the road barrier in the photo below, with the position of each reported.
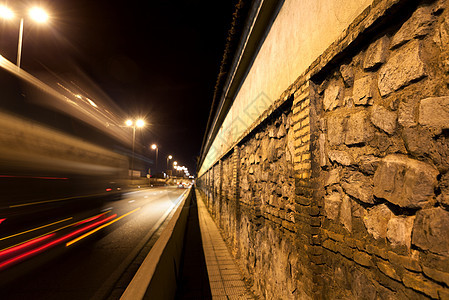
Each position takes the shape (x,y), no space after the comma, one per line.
(157,276)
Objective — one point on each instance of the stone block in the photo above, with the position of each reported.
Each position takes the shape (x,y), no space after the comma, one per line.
(368,164)
(441,36)
(332,177)
(434,113)
(388,270)
(376,53)
(336,236)
(359,128)
(346,213)
(399,230)
(418,141)
(431,230)
(376,251)
(345,251)
(332,96)
(403,67)
(335,130)
(347,72)
(363,258)
(332,204)
(384,119)
(444,187)
(419,283)
(340,157)
(363,90)
(404,181)
(404,261)
(408,111)
(359,186)
(376,220)
(436,275)
(417,26)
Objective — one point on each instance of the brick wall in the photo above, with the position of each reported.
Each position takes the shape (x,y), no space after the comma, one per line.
(341,189)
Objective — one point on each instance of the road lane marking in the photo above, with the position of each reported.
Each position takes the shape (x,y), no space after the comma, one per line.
(131,201)
(101,227)
(60,221)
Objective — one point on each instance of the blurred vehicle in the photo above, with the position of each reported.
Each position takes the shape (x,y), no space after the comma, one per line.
(58,152)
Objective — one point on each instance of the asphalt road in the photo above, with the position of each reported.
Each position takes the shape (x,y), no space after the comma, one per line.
(95,256)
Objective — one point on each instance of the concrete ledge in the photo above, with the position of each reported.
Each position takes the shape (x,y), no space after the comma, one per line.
(157,276)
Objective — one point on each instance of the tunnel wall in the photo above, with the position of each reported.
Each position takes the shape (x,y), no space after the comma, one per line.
(340,189)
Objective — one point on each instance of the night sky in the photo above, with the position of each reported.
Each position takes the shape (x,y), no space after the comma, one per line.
(157,59)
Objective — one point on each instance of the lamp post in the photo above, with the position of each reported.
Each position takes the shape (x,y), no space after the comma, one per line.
(36,13)
(168,158)
(154,147)
(138,123)
(175,166)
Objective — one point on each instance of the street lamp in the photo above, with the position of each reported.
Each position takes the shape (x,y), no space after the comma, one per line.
(154,147)
(36,13)
(137,124)
(168,158)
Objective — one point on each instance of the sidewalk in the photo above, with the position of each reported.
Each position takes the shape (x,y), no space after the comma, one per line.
(208,272)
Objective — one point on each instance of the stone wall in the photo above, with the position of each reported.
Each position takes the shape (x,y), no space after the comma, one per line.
(384,116)
(341,189)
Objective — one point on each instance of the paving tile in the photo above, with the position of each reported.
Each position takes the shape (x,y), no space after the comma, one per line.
(224,277)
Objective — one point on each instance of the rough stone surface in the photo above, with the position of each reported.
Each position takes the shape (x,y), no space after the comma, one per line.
(341,157)
(444,187)
(441,37)
(376,220)
(363,91)
(332,204)
(417,26)
(419,283)
(359,128)
(418,141)
(431,230)
(347,72)
(434,113)
(376,53)
(405,182)
(335,133)
(332,177)
(332,96)
(345,194)
(399,230)
(368,164)
(407,115)
(359,186)
(384,119)
(346,213)
(403,67)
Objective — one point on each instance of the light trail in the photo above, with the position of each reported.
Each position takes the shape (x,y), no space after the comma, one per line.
(51,244)
(58,229)
(37,228)
(98,228)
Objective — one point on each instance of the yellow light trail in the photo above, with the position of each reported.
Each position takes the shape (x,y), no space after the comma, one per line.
(63,227)
(101,227)
(43,226)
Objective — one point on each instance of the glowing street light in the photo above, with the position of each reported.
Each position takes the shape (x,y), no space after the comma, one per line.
(36,13)
(154,147)
(139,123)
(168,158)
(6,13)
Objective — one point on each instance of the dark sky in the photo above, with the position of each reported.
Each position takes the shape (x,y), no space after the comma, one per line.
(155,58)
